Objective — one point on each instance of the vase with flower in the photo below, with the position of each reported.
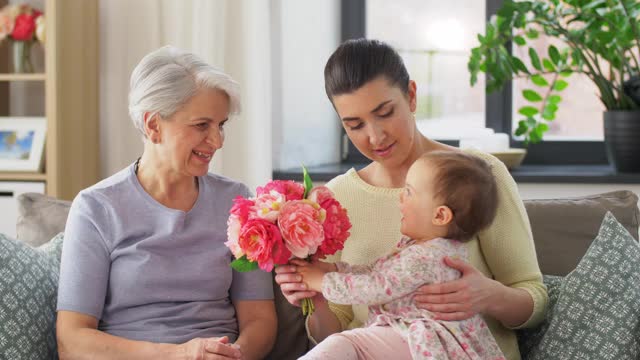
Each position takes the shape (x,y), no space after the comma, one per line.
(23,26)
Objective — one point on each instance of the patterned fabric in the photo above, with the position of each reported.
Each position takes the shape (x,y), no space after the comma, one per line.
(529,339)
(597,314)
(387,286)
(28,288)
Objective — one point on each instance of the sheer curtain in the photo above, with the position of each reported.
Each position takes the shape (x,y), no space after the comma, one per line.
(231,34)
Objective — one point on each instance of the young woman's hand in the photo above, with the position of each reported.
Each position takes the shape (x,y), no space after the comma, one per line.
(459,299)
(291,284)
(210,349)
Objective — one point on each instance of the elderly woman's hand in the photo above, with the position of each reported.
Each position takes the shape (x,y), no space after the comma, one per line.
(210,349)
(459,299)
(291,284)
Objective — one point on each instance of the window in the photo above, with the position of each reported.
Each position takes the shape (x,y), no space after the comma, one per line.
(434,38)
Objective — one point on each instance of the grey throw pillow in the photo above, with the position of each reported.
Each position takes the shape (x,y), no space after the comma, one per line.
(529,339)
(28,289)
(597,314)
(40,218)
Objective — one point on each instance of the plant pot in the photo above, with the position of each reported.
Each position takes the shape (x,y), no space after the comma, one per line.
(622,139)
(22,57)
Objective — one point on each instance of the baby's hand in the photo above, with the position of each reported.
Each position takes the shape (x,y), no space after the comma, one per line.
(313,272)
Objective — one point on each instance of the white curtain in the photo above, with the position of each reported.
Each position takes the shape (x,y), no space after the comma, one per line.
(231,34)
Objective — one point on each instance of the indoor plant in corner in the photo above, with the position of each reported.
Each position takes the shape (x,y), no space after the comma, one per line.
(599,38)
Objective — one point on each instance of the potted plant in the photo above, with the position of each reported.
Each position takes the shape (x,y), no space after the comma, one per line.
(599,38)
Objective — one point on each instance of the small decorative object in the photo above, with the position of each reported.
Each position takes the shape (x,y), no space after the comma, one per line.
(22,143)
(496,145)
(23,25)
(285,220)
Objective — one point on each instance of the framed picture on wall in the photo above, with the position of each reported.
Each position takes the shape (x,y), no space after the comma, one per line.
(22,143)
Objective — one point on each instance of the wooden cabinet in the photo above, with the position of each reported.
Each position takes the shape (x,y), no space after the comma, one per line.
(63,89)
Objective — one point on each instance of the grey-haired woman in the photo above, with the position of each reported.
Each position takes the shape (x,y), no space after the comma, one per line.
(145,273)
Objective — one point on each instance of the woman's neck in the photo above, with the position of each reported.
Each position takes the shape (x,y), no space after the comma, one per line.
(171,189)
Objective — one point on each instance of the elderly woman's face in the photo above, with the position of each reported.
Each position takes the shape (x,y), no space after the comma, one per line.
(194,133)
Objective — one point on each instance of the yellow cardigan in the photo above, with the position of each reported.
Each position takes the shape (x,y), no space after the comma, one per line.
(504,251)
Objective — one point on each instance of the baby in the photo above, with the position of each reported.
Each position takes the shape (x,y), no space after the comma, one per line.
(441,209)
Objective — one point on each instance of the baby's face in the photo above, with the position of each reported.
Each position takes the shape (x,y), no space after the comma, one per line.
(417,203)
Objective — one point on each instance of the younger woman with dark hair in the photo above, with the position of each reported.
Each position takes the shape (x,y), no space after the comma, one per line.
(375,99)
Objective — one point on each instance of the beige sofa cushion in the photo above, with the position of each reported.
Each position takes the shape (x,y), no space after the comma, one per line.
(564,228)
(40,218)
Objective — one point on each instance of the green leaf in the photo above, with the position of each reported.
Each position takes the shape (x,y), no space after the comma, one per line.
(539,80)
(531,95)
(548,65)
(554,54)
(522,128)
(560,85)
(543,127)
(519,65)
(520,40)
(532,34)
(593,4)
(555,99)
(535,136)
(243,264)
(535,59)
(528,111)
(308,184)
(548,115)
(566,73)
(531,122)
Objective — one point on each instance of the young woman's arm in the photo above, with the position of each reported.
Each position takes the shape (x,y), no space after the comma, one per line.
(78,338)
(258,324)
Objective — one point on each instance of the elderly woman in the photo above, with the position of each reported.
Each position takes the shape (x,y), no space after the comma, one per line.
(145,273)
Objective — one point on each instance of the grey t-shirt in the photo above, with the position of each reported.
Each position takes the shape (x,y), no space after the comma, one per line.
(152,273)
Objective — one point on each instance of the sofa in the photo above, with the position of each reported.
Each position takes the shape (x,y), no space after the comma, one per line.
(563,231)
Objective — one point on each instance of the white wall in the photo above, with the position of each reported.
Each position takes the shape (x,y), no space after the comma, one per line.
(306,128)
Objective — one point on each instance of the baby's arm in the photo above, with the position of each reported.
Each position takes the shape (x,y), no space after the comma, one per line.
(343,267)
(391,278)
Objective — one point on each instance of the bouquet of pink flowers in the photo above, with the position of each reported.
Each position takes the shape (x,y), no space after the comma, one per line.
(285,220)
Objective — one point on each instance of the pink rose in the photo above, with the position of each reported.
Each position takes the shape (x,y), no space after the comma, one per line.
(290,189)
(242,208)
(268,205)
(263,244)
(336,228)
(233,235)
(300,223)
(320,194)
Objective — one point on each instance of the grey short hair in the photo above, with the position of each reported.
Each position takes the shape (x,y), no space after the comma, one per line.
(167,78)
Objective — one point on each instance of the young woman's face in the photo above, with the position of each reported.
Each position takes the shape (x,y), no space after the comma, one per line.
(193,134)
(379,121)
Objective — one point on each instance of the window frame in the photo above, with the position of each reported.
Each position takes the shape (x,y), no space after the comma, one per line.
(498,112)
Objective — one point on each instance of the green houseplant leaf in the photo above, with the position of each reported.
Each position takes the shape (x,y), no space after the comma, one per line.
(598,39)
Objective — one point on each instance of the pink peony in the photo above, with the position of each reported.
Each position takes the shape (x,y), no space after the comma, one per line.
(320,194)
(268,205)
(300,223)
(336,228)
(290,189)
(242,208)
(263,244)
(234,225)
